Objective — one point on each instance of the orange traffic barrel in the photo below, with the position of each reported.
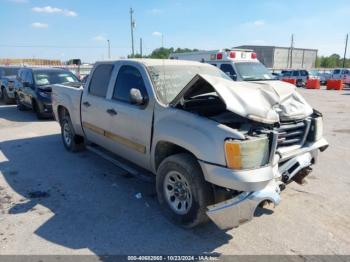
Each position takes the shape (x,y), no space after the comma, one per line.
(334,84)
(290,80)
(313,84)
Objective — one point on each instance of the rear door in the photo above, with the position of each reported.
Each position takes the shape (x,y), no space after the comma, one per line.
(95,119)
(130,125)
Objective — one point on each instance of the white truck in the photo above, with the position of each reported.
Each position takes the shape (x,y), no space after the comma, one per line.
(218,149)
(238,64)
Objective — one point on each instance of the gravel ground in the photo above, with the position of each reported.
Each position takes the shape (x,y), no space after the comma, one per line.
(56,202)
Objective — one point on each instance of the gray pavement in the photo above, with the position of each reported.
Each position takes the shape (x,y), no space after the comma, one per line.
(88,206)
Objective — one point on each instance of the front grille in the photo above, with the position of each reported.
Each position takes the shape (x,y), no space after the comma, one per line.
(293,133)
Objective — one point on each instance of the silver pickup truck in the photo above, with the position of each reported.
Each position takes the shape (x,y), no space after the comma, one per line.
(219,149)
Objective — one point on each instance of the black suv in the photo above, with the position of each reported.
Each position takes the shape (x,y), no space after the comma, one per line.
(35,88)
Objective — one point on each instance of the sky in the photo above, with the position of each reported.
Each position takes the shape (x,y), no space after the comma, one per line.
(66,29)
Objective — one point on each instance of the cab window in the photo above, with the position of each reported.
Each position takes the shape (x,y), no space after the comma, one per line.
(100,80)
(128,77)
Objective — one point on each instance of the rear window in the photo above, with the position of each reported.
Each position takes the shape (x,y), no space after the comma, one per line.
(9,71)
(100,80)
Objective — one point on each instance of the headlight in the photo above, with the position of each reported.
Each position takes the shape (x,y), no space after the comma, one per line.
(43,94)
(247,154)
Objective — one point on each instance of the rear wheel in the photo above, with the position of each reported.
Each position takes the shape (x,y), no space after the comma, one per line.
(300,83)
(182,191)
(6,98)
(71,141)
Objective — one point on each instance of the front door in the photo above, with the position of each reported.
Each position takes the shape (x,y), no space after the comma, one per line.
(130,125)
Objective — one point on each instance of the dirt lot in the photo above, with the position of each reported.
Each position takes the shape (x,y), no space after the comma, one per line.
(55,202)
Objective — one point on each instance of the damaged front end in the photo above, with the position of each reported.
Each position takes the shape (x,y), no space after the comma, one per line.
(283,136)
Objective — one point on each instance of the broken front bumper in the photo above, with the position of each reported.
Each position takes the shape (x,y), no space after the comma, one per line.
(241,209)
(258,185)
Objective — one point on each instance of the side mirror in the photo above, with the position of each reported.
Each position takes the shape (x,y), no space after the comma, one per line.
(233,77)
(136,97)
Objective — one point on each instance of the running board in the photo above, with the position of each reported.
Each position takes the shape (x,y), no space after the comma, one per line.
(129,168)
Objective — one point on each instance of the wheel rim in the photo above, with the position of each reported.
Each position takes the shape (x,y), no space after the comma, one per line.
(177,192)
(67,134)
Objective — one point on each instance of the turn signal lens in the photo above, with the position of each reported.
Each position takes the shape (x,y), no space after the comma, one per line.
(233,155)
(247,154)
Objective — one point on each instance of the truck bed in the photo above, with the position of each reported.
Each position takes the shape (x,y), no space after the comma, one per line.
(68,96)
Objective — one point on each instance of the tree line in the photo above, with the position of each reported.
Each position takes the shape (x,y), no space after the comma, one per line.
(332,61)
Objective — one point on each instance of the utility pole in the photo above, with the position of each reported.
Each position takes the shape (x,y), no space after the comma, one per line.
(141,47)
(109,49)
(162,40)
(291,51)
(132,25)
(346,47)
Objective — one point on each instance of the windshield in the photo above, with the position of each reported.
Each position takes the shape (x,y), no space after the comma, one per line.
(168,81)
(54,77)
(253,71)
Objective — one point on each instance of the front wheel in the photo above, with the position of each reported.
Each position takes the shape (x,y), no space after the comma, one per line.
(182,191)
(19,104)
(71,141)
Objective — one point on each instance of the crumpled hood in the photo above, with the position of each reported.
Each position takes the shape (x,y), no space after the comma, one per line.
(264,101)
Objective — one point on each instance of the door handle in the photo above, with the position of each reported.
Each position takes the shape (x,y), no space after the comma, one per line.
(112,112)
(86,104)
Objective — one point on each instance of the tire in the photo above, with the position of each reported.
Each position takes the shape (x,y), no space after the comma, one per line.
(37,111)
(6,98)
(20,106)
(71,141)
(195,194)
(299,83)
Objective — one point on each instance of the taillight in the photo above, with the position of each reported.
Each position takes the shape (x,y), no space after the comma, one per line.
(254,56)
(232,55)
(219,56)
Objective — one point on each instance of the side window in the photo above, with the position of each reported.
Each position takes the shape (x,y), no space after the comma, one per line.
(304,73)
(128,77)
(100,80)
(227,68)
(295,73)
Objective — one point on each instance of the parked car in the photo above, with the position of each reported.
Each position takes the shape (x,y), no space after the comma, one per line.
(342,74)
(8,83)
(217,148)
(339,73)
(324,77)
(34,91)
(301,76)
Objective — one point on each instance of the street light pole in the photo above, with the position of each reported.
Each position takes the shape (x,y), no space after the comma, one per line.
(346,47)
(109,49)
(132,25)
